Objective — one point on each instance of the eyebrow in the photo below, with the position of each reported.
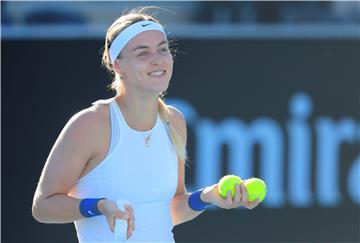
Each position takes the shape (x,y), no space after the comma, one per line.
(146,47)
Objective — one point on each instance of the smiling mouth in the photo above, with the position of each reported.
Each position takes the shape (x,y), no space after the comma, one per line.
(157,73)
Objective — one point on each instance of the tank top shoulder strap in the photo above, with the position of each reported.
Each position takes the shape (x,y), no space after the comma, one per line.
(116,122)
(115,107)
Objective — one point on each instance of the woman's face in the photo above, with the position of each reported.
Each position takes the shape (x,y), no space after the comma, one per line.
(146,63)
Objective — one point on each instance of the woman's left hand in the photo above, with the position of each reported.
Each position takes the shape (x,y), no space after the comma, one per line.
(211,195)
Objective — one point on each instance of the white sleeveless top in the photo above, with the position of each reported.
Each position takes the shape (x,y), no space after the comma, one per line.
(145,176)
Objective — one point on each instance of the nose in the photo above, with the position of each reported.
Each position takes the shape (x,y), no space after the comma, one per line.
(156,60)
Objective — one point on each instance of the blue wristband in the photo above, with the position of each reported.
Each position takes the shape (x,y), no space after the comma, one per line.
(88,207)
(195,202)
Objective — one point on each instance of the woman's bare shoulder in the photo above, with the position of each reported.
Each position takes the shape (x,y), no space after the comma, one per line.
(93,117)
(88,128)
(81,139)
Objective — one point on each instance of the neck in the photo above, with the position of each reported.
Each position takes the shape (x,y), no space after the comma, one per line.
(140,112)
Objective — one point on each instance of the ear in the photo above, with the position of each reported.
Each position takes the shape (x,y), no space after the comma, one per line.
(116,67)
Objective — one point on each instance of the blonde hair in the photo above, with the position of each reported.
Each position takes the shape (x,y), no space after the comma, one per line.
(128,18)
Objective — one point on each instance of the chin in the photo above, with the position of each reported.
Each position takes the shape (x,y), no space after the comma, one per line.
(162,89)
(160,85)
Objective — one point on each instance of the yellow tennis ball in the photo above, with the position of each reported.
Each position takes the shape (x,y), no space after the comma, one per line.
(227,183)
(256,188)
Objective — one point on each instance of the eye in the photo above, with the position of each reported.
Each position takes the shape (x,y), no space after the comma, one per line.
(142,54)
(163,50)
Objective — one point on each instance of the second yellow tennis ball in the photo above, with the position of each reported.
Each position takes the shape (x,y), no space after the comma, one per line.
(256,188)
(227,183)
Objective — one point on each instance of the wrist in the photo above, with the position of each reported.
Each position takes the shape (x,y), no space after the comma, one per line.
(196,203)
(204,195)
(89,207)
(101,205)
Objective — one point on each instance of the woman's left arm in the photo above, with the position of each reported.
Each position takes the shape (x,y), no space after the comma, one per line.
(180,210)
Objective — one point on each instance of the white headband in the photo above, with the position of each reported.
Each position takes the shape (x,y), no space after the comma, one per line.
(130,32)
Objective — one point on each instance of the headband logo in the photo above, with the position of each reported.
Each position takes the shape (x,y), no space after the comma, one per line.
(130,32)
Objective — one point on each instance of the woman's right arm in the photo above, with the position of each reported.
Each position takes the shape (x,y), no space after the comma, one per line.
(75,145)
(81,139)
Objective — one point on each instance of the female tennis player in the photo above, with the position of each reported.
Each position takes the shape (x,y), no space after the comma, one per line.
(131,146)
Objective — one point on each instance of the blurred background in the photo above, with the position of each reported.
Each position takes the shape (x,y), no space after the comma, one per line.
(269,90)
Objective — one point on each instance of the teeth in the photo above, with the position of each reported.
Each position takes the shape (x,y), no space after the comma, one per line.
(157,73)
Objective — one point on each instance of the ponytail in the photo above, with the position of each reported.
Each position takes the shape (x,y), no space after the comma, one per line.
(165,115)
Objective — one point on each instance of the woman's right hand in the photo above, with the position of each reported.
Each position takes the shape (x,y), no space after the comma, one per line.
(111,212)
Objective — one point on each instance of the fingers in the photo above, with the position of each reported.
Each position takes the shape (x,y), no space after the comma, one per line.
(244,194)
(229,200)
(241,198)
(111,223)
(130,210)
(124,215)
(127,215)
(131,220)
(253,204)
(114,216)
(245,198)
(237,198)
(232,202)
